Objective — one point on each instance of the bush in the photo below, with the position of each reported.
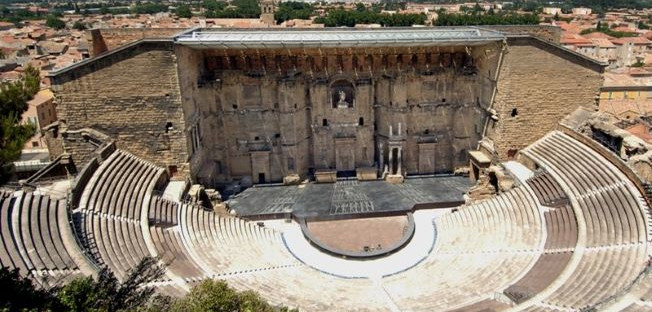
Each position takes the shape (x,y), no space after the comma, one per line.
(446,19)
(20,294)
(341,17)
(293,10)
(183,11)
(79,25)
(54,22)
(217,296)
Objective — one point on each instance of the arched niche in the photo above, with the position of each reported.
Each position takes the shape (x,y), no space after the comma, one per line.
(342,93)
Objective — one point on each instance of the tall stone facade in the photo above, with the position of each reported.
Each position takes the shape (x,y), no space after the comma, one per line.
(274,113)
(216,114)
(132,96)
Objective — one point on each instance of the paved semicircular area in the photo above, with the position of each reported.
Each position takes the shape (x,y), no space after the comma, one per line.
(415,251)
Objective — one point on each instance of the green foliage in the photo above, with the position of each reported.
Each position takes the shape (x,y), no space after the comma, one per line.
(20,294)
(341,17)
(606,30)
(446,19)
(86,294)
(247,8)
(293,10)
(32,81)
(79,25)
(16,16)
(183,11)
(394,6)
(237,9)
(638,64)
(53,22)
(214,5)
(13,102)
(108,294)
(217,296)
(149,8)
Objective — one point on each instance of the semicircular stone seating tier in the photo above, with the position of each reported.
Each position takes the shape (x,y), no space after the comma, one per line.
(613,236)
(38,240)
(198,243)
(569,238)
(109,211)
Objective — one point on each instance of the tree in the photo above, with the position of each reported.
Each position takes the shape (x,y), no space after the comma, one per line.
(19,293)
(183,11)
(108,294)
(13,102)
(293,10)
(360,7)
(79,25)
(53,22)
(217,296)
(32,81)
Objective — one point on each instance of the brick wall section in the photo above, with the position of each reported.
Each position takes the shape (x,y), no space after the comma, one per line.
(107,39)
(130,95)
(543,83)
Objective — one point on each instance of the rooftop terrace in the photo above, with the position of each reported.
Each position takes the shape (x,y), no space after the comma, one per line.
(337,37)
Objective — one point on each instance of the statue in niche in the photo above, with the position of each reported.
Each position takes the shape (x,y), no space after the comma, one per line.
(342,103)
(342,94)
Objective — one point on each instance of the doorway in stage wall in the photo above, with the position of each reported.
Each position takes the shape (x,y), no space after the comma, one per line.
(261,177)
(394,160)
(346,174)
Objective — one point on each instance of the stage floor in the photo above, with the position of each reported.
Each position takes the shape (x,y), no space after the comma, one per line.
(349,197)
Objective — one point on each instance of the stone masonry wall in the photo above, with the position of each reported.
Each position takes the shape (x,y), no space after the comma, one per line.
(133,97)
(538,85)
(107,39)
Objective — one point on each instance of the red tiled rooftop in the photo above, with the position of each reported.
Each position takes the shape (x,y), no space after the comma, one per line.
(634,40)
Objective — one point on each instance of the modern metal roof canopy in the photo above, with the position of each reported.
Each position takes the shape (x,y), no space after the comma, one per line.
(339,37)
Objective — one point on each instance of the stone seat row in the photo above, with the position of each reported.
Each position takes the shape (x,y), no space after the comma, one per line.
(218,239)
(508,221)
(613,214)
(507,231)
(610,204)
(601,273)
(37,239)
(110,208)
(547,190)
(437,285)
(561,226)
(560,242)
(163,211)
(172,251)
(252,257)
(547,268)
